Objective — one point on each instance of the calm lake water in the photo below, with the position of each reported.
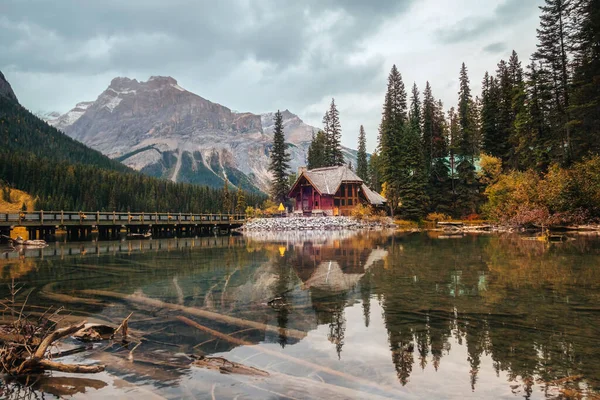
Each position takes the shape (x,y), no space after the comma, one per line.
(355,315)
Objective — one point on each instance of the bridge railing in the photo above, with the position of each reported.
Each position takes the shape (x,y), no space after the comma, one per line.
(116,218)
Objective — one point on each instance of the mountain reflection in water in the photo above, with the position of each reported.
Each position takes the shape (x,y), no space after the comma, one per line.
(475,317)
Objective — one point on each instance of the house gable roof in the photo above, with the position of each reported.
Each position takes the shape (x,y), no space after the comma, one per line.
(328,180)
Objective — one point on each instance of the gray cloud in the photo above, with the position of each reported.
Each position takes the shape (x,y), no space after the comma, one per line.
(470,28)
(495,48)
(255,55)
(92,36)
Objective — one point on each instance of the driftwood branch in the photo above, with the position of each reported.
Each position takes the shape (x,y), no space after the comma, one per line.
(124,327)
(197,312)
(54,336)
(29,354)
(73,368)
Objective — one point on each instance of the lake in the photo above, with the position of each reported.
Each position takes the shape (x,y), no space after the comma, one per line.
(327,315)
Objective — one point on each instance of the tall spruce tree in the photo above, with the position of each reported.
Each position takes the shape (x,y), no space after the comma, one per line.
(375,169)
(585,106)
(493,143)
(534,122)
(227,200)
(317,151)
(336,157)
(440,185)
(413,188)
(327,132)
(467,191)
(279,165)
(453,150)
(503,112)
(554,39)
(466,145)
(415,113)
(429,120)
(403,170)
(519,152)
(362,167)
(394,117)
(240,202)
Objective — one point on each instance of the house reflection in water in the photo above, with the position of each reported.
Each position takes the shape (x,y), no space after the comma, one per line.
(333,272)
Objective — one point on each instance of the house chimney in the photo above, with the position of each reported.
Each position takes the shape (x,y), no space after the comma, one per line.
(301,170)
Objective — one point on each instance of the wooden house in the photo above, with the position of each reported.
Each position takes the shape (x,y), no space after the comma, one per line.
(331,191)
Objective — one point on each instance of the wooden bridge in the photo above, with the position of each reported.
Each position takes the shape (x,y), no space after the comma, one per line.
(79,225)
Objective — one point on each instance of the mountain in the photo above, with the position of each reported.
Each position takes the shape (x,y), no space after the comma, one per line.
(61,173)
(5,89)
(163,130)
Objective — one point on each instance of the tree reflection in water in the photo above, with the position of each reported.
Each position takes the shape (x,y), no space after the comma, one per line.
(517,301)
(469,308)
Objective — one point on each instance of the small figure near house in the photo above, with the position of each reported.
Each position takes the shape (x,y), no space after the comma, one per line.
(331,191)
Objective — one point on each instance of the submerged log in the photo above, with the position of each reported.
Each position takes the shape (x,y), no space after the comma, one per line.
(197,312)
(49,293)
(287,357)
(225,366)
(95,333)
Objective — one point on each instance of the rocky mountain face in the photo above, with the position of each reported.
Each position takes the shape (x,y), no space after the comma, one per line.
(6,90)
(163,130)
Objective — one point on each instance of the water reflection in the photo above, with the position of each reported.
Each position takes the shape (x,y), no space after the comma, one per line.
(479,316)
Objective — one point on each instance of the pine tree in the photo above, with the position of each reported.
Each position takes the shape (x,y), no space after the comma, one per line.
(466,188)
(492,140)
(413,186)
(429,116)
(585,105)
(361,156)
(403,169)
(327,131)
(279,165)
(503,112)
(415,110)
(440,184)
(317,157)
(336,156)
(555,38)
(240,202)
(453,147)
(465,103)
(375,172)
(390,134)
(226,200)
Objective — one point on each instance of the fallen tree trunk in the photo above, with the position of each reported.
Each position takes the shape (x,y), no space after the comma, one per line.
(197,312)
(287,357)
(49,293)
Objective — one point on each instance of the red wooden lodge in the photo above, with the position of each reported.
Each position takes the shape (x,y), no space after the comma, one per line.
(331,191)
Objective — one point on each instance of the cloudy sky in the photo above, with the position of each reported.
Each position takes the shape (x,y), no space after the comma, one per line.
(260,55)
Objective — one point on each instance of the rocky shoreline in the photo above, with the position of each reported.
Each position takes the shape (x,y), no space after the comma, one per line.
(313,224)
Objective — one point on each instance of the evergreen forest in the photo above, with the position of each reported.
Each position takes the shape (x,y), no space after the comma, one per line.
(525,150)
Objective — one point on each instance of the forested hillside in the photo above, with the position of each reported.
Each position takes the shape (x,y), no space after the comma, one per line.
(24,132)
(63,174)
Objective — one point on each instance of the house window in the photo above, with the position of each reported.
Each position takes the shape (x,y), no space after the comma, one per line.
(316,204)
(343,202)
(349,202)
(336,202)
